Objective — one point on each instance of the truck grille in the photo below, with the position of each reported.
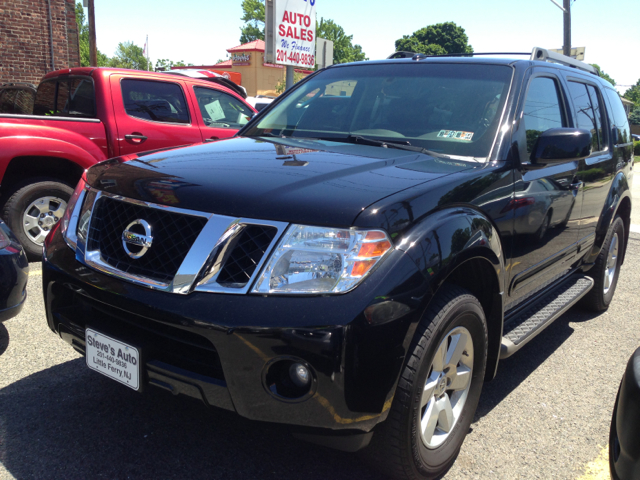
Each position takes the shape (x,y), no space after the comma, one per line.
(245,256)
(173,236)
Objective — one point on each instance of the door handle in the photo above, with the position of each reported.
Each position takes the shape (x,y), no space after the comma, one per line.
(135,137)
(211,139)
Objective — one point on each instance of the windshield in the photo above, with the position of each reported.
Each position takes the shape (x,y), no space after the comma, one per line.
(453,109)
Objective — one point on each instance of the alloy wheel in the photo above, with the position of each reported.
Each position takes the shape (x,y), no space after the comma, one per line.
(612,263)
(40,217)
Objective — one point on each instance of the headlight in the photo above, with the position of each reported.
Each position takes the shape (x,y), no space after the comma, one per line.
(312,260)
(70,219)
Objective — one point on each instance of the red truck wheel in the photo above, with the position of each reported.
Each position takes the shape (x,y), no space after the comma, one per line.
(32,210)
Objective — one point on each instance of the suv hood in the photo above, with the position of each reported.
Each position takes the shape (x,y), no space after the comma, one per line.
(301,181)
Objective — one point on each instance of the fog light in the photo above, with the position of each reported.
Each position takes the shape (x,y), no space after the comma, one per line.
(290,379)
(299,375)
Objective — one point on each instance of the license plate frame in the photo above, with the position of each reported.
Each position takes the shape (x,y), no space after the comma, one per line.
(112,358)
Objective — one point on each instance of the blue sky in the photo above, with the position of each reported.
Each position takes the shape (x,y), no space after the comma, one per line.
(200,31)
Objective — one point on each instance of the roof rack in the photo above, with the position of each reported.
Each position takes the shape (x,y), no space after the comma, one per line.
(544,55)
(539,54)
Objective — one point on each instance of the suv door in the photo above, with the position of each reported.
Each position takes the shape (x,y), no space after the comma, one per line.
(220,115)
(547,201)
(596,171)
(151,114)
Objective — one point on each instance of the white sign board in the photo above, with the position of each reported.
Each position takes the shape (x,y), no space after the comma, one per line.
(295,32)
(324,53)
(577,52)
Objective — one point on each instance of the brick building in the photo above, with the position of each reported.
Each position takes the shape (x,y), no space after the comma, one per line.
(28,30)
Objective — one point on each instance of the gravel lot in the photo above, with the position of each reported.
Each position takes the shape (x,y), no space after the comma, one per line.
(546,415)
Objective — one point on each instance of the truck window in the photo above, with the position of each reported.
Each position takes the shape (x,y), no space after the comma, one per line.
(542,109)
(588,113)
(80,100)
(45,103)
(220,109)
(618,114)
(154,101)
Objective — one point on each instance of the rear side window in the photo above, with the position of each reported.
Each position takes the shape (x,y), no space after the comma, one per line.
(589,112)
(542,110)
(67,97)
(45,103)
(619,115)
(155,101)
(221,110)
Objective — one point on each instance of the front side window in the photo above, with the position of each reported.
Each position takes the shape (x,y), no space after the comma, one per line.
(588,113)
(155,101)
(542,110)
(219,109)
(448,108)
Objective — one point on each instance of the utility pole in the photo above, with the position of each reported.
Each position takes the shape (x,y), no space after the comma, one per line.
(566,48)
(93,54)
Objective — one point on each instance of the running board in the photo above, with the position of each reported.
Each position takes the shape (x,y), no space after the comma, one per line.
(538,316)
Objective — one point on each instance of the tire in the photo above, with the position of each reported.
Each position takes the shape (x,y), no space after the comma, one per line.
(606,280)
(28,207)
(455,317)
(614,443)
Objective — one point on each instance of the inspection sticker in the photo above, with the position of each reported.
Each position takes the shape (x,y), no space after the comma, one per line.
(455,134)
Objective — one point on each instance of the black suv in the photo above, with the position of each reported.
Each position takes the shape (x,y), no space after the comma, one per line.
(359,258)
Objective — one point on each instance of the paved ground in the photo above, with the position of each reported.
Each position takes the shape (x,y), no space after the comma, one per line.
(545,416)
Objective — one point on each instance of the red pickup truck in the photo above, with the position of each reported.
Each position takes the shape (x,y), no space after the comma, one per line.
(82,116)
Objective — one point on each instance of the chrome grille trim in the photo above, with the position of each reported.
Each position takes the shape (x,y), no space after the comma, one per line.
(208,249)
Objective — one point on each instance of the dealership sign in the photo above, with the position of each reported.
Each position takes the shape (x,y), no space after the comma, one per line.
(294,32)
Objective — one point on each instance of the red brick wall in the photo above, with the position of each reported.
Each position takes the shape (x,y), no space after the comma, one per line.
(25,46)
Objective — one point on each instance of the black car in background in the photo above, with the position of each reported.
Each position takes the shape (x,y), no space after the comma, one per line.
(17,98)
(360,257)
(624,443)
(14,273)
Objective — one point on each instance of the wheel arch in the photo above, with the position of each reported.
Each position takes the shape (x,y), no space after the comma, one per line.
(21,169)
(618,202)
(458,246)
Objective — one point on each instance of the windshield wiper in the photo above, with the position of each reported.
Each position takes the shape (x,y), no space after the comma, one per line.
(399,144)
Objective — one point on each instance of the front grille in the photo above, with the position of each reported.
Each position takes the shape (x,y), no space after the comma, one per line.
(245,256)
(173,235)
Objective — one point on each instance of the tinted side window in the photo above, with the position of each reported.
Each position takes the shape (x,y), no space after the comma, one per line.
(221,110)
(542,110)
(24,102)
(619,115)
(600,116)
(155,101)
(7,98)
(81,98)
(45,98)
(586,116)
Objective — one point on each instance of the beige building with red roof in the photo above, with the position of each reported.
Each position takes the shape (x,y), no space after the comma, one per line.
(258,76)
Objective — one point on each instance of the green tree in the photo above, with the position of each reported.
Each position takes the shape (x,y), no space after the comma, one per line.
(438,39)
(282,84)
(344,50)
(83,40)
(253,16)
(129,55)
(602,74)
(633,94)
(634,117)
(166,64)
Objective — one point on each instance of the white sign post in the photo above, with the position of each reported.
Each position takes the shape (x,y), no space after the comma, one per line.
(294,34)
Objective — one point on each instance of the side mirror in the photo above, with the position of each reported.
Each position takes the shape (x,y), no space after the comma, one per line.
(560,145)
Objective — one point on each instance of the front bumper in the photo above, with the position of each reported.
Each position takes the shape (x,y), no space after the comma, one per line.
(217,347)
(624,454)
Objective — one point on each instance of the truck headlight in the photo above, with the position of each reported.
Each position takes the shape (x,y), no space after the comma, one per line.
(316,260)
